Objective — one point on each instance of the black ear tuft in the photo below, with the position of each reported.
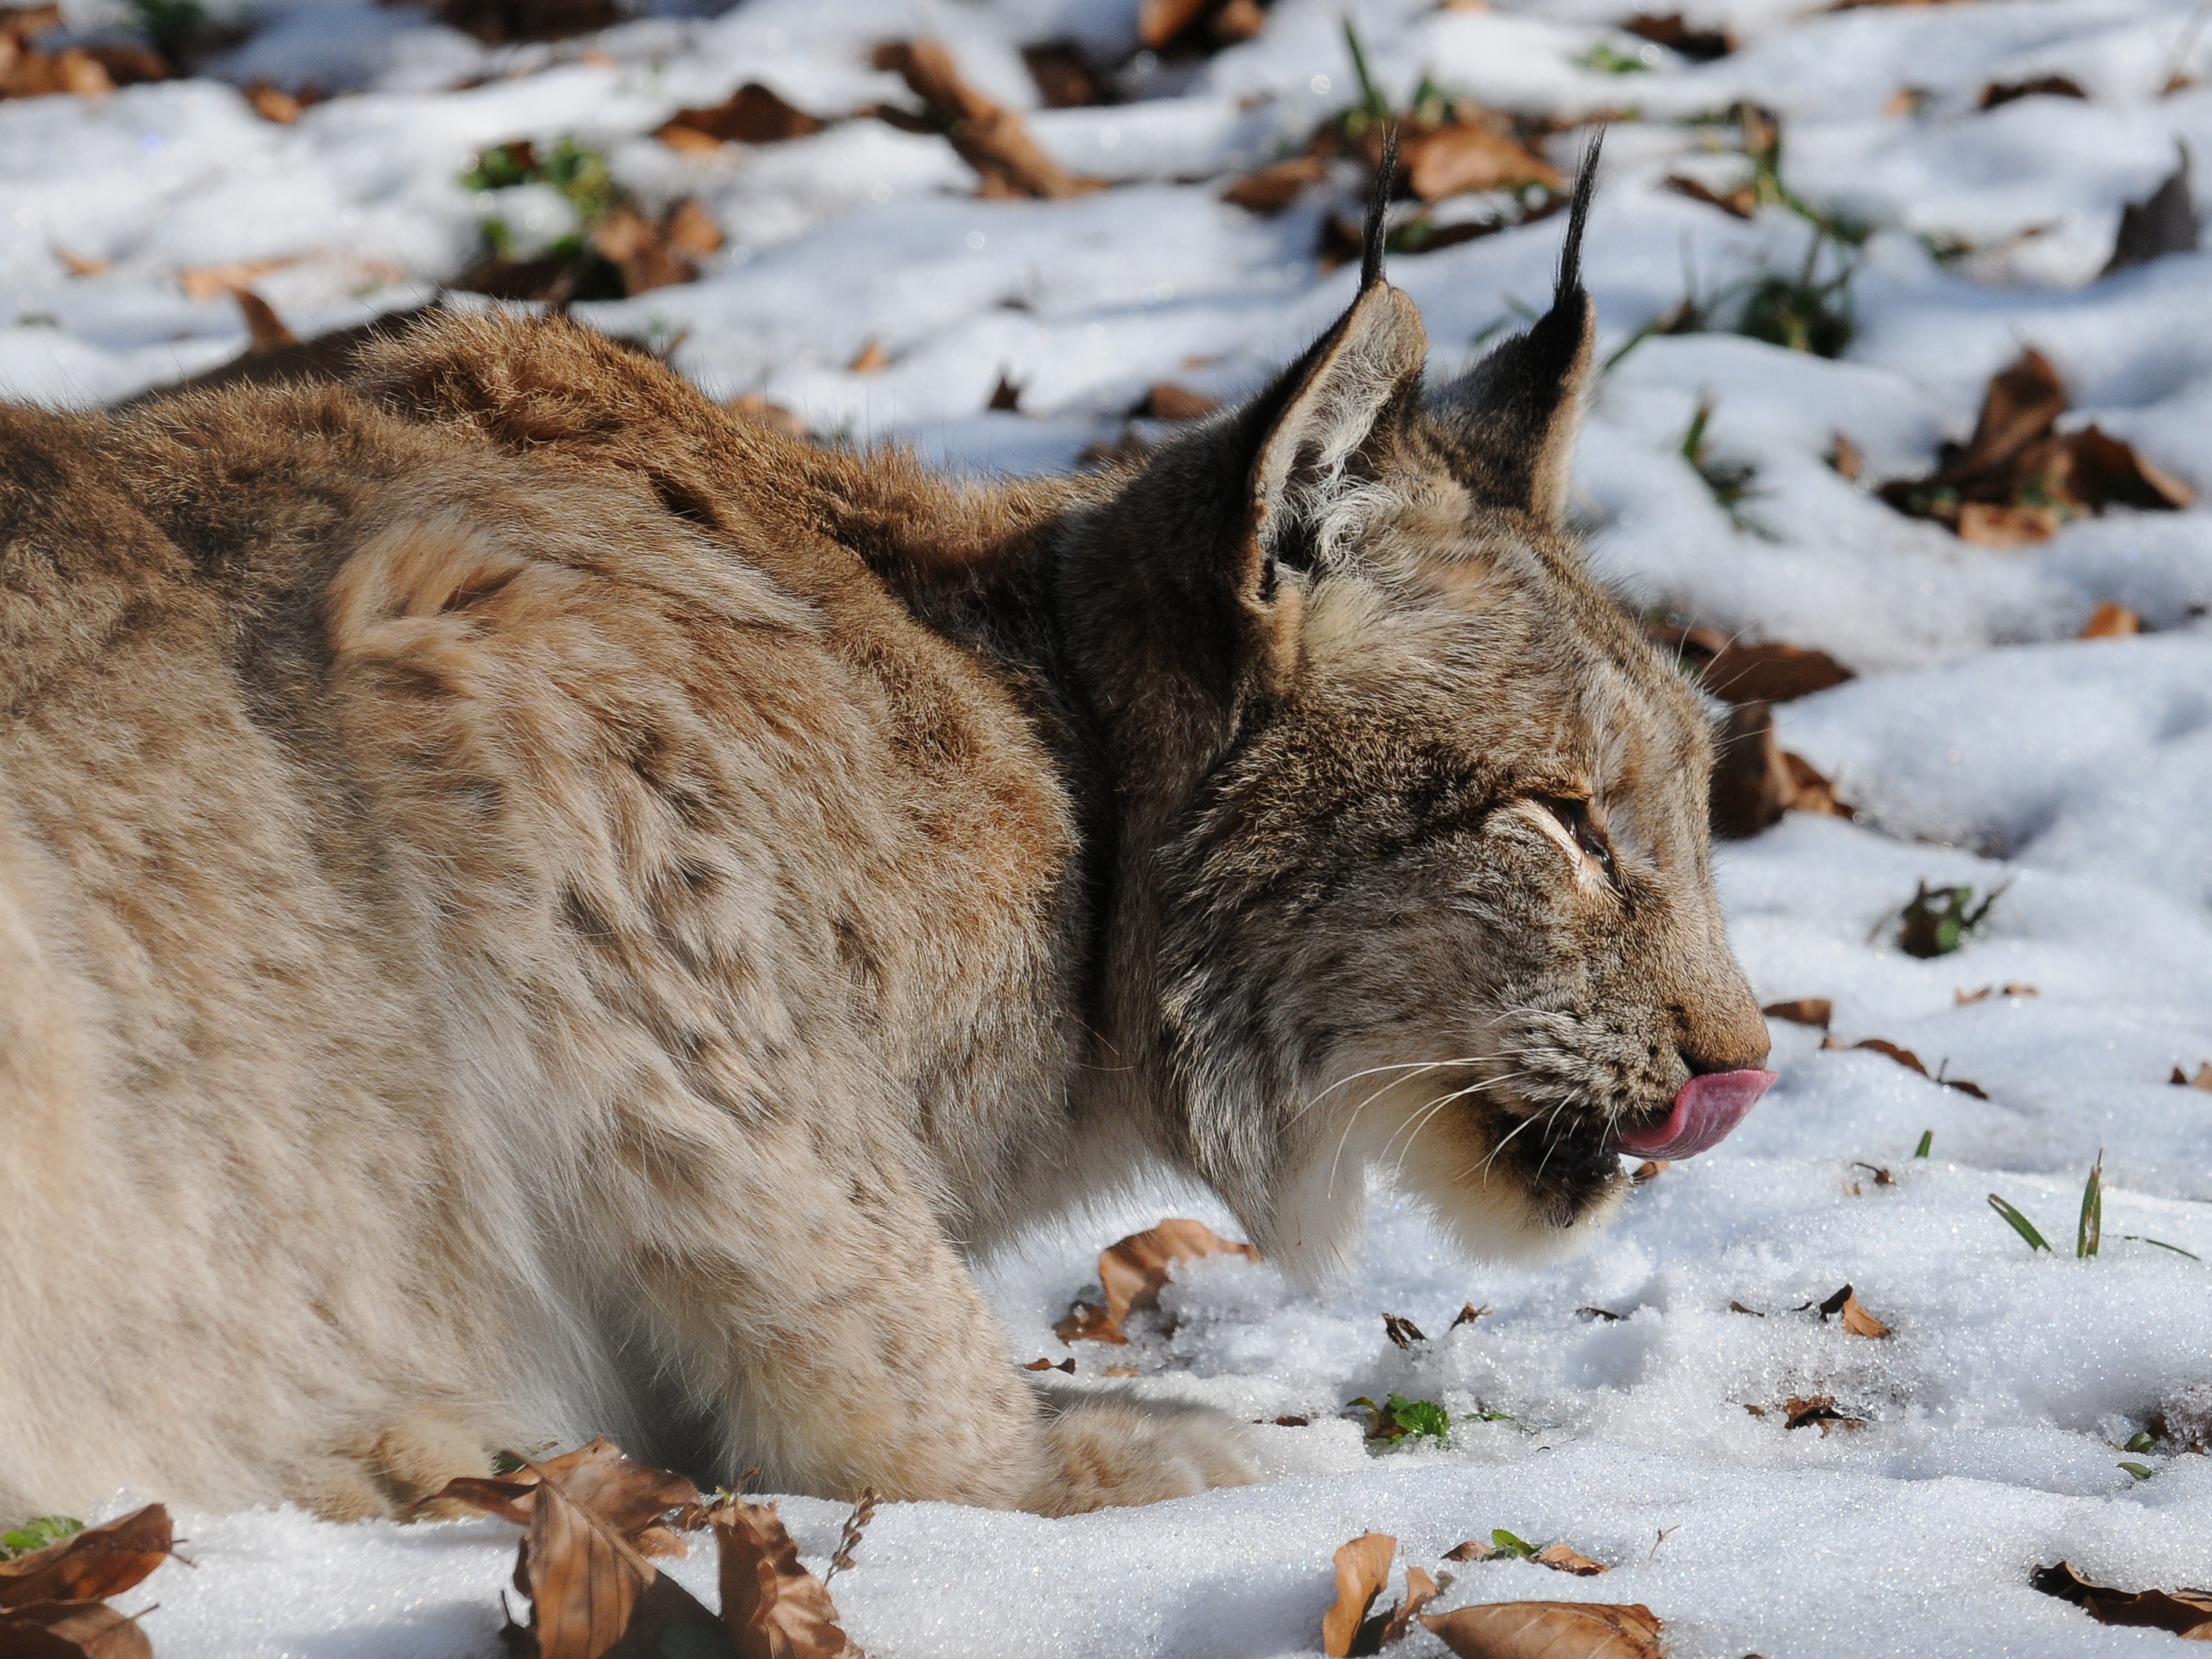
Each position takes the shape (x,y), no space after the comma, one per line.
(1378,211)
(1511,420)
(1570,256)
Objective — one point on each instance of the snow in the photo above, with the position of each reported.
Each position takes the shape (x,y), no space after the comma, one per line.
(1985,745)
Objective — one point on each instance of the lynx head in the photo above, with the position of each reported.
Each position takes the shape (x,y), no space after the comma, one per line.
(1411,863)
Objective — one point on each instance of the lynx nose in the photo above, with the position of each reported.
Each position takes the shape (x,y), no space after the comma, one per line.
(1728,1035)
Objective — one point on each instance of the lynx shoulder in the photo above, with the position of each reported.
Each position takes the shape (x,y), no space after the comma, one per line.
(531,906)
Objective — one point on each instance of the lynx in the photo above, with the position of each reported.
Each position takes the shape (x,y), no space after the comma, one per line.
(531,906)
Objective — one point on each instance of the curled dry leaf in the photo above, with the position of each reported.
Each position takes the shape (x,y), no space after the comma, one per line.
(2111,620)
(1673,31)
(871,359)
(2185,1612)
(991,139)
(755,407)
(656,253)
(1845,1304)
(753,114)
(1363,1568)
(1755,780)
(1464,155)
(1911,1062)
(1041,1364)
(1997,94)
(1650,1170)
(1467,1313)
(204,282)
(89,1565)
(1474,1549)
(1805,1010)
(264,330)
(2202,1080)
(1802,1411)
(274,104)
(1742,202)
(81,265)
(1420,1590)
(1168,402)
(1403,1332)
(2163,222)
(615,1488)
(1134,1271)
(1565,1557)
(773,1607)
(1749,671)
(592,1595)
(71,1630)
(1549,1630)
(1273,189)
(2018,479)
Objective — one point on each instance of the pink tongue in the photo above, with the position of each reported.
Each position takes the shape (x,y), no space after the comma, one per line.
(1706,1110)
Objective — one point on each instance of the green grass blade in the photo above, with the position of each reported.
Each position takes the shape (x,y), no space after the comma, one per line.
(2089,1232)
(1927,1144)
(2138,1238)
(2019,1223)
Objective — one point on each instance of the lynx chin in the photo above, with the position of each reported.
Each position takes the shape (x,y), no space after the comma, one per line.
(533,907)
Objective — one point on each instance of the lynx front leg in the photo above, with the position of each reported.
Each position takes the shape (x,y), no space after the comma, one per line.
(833,1332)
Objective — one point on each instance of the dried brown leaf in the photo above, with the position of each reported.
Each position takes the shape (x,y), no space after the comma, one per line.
(2202,1079)
(1041,1364)
(264,330)
(1420,1590)
(1987,524)
(1063,76)
(1549,1630)
(1744,671)
(1675,33)
(2111,620)
(1363,1568)
(2101,469)
(1467,1313)
(1804,1011)
(991,139)
(71,1630)
(90,1565)
(81,265)
(2186,1612)
(1845,1302)
(1462,156)
(755,407)
(1819,1409)
(1403,1332)
(1273,189)
(1651,1170)
(1086,1322)
(615,1488)
(1998,93)
(1742,202)
(1565,1557)
(1134,1270)
(274,104)
(1160,21)
(1474,1549)
(772,1607)
(1844,455)
(205,283)
(753,114)
(871,359)
(1167,401)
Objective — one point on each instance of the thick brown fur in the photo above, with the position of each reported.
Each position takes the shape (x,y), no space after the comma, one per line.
(531,906)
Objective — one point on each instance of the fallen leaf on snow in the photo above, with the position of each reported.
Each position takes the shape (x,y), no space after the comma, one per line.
(2202,1080)
(1803,1411)
(1135,1271)
(1857,1320)
(1742,202)
(1565,1557)
(753,114)
(205,283)
(1403,1332)
(71,1630)
(1675,33)
(2111,620)
(871,359)
(1755,780)
(754,406)
(1911,1061)
(773,1607)
(614,1488)
(1363,1568)
(657,253)
(1420,1590)
(1063,76)
(1067,1365)
(2185,1612)
(274,104)
(1273,189)
(1549,1630)
(264,330)
(2017,479)
(1467,1313)
(1005,397)
(991,139)
(1168,402)
(1605,1314)
(1738,1307)
(1474,1549)
(1651,1170)
(92,1564)
(2163,222)
(1805,1010)
(1750,671)
(81,265)
(1998,93)
(592,1594)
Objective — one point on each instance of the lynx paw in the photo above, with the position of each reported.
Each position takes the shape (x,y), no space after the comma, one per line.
(1116,1449)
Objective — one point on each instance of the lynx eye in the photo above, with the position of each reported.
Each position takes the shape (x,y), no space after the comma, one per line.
(1574,817)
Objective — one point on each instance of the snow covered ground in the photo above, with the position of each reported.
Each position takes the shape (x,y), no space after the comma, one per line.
(1983,744)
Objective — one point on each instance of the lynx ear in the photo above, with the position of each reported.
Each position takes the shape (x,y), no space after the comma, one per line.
(1329,403)
(1515,413)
